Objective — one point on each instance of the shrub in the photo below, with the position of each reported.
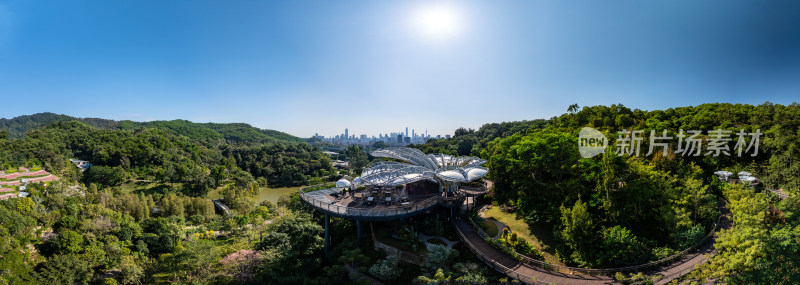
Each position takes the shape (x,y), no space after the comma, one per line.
(663,252)
(520,245)
(438,256)
(386,269)
(689,236)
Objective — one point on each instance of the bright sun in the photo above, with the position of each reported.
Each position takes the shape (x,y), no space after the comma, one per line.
(437,21)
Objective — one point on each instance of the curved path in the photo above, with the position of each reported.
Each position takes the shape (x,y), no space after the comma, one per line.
(779,193)
(507,265)
(504,263)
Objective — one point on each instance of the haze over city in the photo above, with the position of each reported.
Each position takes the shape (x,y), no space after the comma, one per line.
(379,66)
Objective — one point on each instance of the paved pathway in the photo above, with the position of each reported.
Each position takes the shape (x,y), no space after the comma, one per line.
(517,268)
(504,263)
(688,262)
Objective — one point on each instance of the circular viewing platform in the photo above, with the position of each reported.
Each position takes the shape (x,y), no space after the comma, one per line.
(376,203)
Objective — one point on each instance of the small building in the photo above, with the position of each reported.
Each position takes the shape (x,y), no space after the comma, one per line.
(341,164)
(82,164)
(723,175)
(744,177)
(23,194)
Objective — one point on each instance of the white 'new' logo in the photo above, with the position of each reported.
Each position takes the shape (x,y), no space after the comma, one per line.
(591,142)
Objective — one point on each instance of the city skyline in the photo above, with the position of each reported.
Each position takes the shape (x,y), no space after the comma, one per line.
(348,137)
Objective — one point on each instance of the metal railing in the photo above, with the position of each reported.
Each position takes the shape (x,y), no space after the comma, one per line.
(496,265)
(473,188)
(592,271)
(334,208)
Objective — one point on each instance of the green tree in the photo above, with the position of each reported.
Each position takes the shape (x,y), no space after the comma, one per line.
(578,233)
(64,269)
(293,244)
(356,157)
(104,175)
(70,241)
(621,247)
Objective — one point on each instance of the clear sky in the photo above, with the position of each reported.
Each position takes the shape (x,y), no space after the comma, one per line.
(376,66)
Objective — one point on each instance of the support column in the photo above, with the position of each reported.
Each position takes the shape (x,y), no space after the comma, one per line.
(358,226)
(327,233)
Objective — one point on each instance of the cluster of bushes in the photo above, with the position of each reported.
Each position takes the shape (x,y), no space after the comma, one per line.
(518,244)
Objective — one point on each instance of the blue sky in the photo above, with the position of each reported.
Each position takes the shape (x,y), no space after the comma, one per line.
(321,66)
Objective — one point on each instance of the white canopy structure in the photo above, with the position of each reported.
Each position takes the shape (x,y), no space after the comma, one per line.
(748,179)
(723,173)
(446,169)
(343,183)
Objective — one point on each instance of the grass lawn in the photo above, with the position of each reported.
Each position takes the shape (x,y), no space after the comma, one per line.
(265,194)
(145,187)
(540,235)
(489,227)
(216,193)
(25,177)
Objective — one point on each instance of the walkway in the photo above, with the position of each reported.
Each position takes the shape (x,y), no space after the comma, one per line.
(350,208)
(222,207)
(505,264)
(779,193)
(686,264)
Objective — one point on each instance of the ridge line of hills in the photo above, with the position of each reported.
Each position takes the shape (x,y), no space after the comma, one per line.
(18,126)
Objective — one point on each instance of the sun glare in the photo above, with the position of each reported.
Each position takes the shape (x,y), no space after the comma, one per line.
(437,21)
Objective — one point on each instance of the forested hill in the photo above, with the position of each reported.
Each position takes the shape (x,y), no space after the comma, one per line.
(233,132)
(166,151)
(17,127)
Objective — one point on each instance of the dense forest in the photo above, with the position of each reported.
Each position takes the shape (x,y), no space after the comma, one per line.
(607,211)
(103,232)
(197,155)
(617,210)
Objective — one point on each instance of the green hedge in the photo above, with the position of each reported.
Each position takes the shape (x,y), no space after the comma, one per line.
(320,187)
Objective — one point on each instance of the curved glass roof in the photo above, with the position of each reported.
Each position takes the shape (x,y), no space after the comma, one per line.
(420,166)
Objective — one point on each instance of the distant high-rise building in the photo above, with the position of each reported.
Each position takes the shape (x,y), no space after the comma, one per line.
(406,131)
(447,137)
(345,133)
(400,138)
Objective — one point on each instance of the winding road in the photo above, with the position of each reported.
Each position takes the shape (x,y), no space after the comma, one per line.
(511,267)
